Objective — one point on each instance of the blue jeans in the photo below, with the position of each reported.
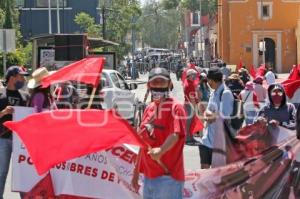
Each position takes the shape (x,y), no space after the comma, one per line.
(249,117)
(5,151)
(163,187)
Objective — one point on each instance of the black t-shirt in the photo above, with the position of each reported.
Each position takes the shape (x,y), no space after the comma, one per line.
(10,98)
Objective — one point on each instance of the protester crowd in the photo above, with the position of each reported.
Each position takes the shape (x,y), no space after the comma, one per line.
(213,97)
(219,98)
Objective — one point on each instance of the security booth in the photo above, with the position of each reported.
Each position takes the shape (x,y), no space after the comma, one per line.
(54,51)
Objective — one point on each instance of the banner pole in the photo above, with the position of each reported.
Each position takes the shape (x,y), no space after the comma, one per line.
(92,98)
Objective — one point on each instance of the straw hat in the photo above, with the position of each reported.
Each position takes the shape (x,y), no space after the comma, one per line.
(234,76)
(37,77)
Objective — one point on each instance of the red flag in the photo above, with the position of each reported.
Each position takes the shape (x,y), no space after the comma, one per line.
(87,71)
(261,70)
(294,75)
(196,125)
(43,189)
(56,136)
(252,72)
(290,86)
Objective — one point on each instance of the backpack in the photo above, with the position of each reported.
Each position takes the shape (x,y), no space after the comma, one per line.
(236,120)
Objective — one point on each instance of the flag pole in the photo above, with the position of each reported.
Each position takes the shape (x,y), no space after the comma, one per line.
(92,97)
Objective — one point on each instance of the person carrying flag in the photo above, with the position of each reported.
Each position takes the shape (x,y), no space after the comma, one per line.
(10,96)
(163,130)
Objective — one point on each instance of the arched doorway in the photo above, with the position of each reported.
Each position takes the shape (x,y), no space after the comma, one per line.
(270,53)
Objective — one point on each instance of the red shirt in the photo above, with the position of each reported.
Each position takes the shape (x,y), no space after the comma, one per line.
(165,123)
(190,92)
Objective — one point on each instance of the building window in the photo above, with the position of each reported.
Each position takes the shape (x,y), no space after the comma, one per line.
(265,10)
(44,3)
(20,4)
(195,19)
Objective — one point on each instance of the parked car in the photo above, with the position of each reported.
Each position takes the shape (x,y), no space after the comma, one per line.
(116,93)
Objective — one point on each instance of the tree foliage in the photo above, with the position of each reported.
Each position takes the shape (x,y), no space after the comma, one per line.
(9,18)
(121,19)
(2,17)
(170,4)
(159,26)
(207,6)
(87,24)
(8,23)
(84,21)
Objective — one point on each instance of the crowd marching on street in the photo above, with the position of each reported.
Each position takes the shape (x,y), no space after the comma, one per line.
(212,96)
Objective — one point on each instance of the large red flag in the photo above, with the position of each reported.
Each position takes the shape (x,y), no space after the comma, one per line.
(290,86)
(87,71)
(56,136)
(295,73)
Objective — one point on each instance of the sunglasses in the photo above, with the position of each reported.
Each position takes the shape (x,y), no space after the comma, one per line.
(279,93)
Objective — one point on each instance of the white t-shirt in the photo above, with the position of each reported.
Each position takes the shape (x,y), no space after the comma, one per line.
(270,77)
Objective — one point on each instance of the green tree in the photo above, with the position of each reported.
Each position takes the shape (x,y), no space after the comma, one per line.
(170,4)
(87,24)
(8,23)
(84,21)
(2,17)
(120,21)
(159,26)
(207,6)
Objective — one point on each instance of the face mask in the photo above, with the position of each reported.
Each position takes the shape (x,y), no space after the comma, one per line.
(19,84)
(208,85)
(192,77)
(277,99)
(158,94)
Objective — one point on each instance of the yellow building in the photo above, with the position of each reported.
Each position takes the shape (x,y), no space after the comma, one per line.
(243,24)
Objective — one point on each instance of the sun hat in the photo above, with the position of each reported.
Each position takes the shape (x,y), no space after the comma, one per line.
(37,77)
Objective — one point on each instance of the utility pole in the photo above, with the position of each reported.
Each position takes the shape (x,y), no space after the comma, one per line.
(49,17)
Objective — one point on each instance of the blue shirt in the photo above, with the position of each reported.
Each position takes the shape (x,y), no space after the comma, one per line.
(223,107)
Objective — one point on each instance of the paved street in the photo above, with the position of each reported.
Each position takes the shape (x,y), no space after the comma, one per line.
(191,153)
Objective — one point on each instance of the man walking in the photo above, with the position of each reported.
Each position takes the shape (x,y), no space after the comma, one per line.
(220,105)
(163,130)
(9,97)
